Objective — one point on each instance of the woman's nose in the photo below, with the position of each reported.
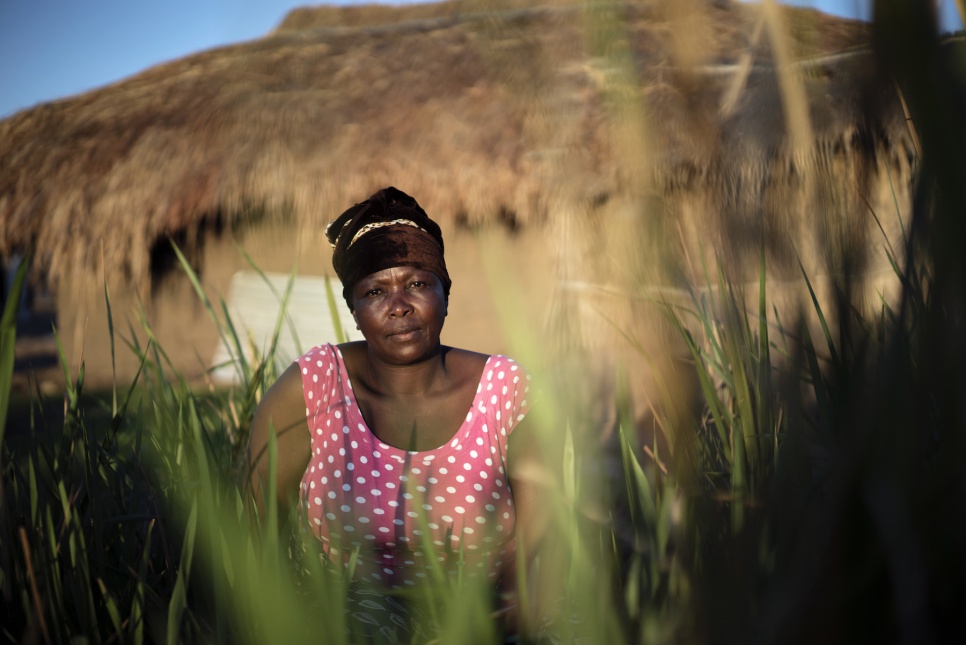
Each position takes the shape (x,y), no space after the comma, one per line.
(399,304)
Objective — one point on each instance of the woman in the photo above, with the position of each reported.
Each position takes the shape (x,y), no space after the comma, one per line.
(410,451)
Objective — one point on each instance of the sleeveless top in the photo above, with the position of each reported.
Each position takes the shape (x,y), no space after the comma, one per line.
(409,513)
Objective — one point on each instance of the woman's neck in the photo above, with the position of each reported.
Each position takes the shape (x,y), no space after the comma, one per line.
(405,380)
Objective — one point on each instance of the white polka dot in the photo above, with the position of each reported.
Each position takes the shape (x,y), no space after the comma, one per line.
(345,508)
(407,495)
(390,485)
(338,414)
(460,510)
(492,400)
(360,500)
(451,459)
(427,507)
(348,528)
(443,470)
(388,466)
(354,444)
(470,499)
(433,525)
(346,487)
(480,519)
(378,511)
(338,473)
(474,454)
(478,487)
(305,370)
(460,479)
(469,416)
(440,499)
(467,529)
(416,471)
(335,437)
(410,514)
(361,480)
(363,520)
(490,507)
(433,480)
(350,466)
(449,489)
(310,394)
(330,516)
(318,500)
(488,461)
(483,474)
(447,518)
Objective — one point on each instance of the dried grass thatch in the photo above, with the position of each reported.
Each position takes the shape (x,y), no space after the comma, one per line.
(485,112)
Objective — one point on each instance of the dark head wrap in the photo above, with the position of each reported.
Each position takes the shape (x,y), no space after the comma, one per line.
(387,230)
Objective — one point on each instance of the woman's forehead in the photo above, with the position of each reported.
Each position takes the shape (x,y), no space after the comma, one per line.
(397,273)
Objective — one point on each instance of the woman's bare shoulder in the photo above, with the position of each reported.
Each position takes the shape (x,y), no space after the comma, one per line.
(287,388)
(457,357)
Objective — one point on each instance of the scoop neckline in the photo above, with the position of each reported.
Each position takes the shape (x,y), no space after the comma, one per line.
(352,407)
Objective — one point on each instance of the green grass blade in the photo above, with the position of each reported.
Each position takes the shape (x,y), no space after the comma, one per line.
(8,341)
(340,335)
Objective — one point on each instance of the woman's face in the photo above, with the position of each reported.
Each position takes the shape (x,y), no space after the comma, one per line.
(400,311)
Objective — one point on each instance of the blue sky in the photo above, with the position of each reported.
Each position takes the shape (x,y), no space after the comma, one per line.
(55,48)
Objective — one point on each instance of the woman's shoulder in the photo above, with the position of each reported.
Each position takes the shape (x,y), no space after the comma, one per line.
(456,356)
(319,356)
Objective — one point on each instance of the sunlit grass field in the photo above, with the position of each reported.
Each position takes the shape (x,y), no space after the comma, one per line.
(815,493)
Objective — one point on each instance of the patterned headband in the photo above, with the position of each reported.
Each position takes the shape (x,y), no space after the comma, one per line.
(374,225)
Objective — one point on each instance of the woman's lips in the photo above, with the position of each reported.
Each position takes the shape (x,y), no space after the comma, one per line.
(404,335)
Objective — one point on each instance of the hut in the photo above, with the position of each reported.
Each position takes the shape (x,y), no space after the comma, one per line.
(581,153)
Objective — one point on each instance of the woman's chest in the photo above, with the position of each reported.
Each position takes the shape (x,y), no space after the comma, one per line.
(414,425)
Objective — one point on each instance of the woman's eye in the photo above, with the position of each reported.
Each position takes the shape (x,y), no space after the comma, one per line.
(417,284)
(372,293)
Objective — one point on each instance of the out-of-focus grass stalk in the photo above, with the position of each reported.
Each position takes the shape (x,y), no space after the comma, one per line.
(8,338)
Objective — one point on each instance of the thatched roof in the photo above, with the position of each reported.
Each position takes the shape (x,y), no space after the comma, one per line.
(485,112)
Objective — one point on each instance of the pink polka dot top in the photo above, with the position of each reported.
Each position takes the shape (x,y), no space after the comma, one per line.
(409,511)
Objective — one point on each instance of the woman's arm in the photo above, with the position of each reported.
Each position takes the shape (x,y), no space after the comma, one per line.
(281,413)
